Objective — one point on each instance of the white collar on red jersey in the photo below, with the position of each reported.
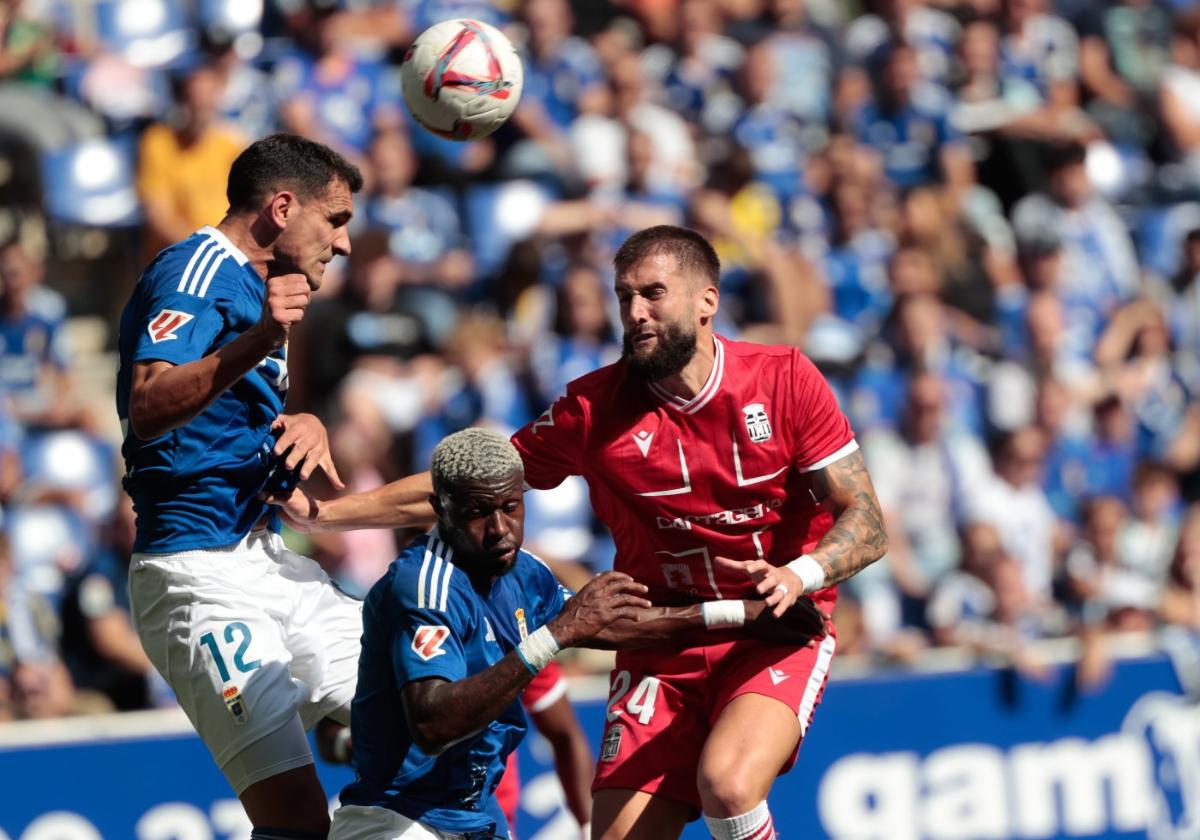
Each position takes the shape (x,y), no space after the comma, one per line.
(704,394)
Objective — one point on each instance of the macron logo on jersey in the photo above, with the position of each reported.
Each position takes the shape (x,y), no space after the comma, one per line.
(163,326)
(427,641)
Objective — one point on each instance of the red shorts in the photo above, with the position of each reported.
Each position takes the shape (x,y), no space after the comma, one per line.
(662,705)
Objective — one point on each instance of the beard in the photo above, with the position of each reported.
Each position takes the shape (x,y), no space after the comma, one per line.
(675,348)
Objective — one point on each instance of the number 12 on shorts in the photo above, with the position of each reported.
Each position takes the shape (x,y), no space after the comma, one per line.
(237,628)
(640,703)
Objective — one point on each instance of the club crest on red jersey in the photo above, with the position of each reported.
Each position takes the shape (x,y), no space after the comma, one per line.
(427,641)
(165,323)
(758,425)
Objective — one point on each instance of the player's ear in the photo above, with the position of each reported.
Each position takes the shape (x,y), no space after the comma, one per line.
(709,300)
(282,208)
(436,504)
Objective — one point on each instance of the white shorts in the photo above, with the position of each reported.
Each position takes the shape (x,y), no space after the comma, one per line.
(251,637)
(358,822)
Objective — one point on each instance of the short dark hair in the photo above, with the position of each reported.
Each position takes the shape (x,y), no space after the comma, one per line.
(286,161)
(691,251)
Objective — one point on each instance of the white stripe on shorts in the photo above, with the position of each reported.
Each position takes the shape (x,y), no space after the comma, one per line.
(815,680)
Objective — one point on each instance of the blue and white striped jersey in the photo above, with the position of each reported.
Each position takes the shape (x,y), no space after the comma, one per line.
(197,486)
(424,619)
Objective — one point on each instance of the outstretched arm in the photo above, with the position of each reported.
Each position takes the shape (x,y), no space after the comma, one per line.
(803,624)
(441,713)
(403,503)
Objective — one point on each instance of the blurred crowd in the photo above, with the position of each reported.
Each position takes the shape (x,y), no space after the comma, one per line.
(980,218)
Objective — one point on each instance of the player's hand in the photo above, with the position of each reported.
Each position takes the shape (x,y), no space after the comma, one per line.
(284,305)
(803,625)
(303,443)
(604,599)
(298,509)
(778,583)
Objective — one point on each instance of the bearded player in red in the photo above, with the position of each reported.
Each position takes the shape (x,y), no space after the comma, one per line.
(722,469)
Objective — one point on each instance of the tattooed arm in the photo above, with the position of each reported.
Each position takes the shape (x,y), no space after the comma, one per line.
(858,537)
(856,540)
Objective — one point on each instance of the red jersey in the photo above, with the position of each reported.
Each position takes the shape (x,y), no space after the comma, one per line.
(679,482)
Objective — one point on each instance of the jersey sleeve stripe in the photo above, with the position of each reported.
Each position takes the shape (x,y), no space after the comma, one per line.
(815,680)
(829,459)
(212,272)
(435,578)
(194,280)
(187,271)
(559,689)
(421,577)
(446,579)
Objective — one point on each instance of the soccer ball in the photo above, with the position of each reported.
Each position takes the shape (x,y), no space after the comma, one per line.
(462,79)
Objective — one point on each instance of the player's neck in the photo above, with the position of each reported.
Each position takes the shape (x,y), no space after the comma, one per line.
(239,230)
(694,376)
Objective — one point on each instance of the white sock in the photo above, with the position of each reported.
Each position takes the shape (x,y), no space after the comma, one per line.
(752,825)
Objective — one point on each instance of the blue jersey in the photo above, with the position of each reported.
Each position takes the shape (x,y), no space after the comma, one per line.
(197,487)
(909,138)
(424,619)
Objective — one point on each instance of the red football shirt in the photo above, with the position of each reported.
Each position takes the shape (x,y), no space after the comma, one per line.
(679,482)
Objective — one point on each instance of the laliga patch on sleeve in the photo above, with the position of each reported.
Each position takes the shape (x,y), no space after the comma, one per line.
(427,641)
(163,326)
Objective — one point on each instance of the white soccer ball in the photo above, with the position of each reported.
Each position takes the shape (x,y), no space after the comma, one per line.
(462,79)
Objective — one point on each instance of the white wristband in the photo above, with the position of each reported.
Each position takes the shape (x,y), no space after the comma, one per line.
(721,614)
(537,649)
(810,572)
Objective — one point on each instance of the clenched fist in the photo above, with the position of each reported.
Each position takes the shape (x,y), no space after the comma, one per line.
(287,297)
(802,624)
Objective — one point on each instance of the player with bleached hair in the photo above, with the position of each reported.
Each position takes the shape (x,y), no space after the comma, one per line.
(456,629)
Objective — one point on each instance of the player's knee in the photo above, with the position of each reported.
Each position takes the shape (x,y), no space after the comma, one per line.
(725,791)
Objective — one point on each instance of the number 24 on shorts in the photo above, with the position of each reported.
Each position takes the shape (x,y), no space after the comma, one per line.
(237,628)
(640,703)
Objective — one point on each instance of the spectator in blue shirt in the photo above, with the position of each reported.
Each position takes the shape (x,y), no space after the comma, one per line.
(1113,451)
(698,81)
(1097,246)
(33,363)
(774,138)
(856,265)
(424,230)
(933,33)
(328,91)
(909,125)
(563,79)
(1065,467)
